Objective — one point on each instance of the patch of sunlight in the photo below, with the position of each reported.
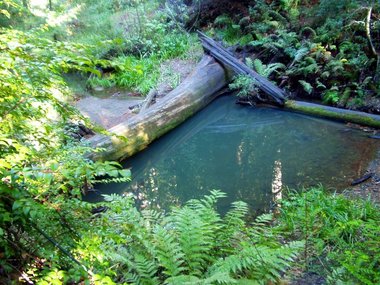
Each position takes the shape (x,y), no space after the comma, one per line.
(38,4)
(40,8)
(55,19)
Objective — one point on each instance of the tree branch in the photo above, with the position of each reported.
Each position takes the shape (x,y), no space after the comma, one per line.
(368,32)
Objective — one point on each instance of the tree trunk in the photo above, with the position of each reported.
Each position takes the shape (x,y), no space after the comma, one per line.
(199,89)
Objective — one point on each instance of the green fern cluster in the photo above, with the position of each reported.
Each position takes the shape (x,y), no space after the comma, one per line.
(195,245)
(326,54)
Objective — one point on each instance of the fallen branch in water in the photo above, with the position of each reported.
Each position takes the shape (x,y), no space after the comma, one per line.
(362,179)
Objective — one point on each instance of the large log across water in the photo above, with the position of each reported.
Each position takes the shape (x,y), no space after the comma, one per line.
(194,93)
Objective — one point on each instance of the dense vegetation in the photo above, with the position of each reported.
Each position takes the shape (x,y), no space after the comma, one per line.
(327,50)
(48,235)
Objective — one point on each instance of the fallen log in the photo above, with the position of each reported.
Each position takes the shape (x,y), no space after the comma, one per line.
(362,179)
(199,89)
(194,93)
(345,115)
(227,59)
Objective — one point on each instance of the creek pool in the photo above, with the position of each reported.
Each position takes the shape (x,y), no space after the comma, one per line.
(248,153)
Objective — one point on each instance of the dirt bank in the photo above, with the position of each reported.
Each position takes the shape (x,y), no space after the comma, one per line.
(108,109)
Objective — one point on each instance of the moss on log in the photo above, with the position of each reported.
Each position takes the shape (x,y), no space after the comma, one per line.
(135,134)
(361,118)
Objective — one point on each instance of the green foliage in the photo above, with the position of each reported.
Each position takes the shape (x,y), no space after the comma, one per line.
(192,244)
(41,165)
(245,85)
(147,41)
(331,96)
(227,29)
(264,69)
(340,233)
(319,47)
(140,74)
(306,86)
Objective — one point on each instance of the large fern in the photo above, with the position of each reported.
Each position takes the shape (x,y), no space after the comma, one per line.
(169,253)
(264,69)
(195,245)
(256,262)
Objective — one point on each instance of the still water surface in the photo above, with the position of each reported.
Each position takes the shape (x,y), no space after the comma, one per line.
(248,153)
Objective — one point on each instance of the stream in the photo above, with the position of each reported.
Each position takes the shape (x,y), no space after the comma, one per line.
(248,153)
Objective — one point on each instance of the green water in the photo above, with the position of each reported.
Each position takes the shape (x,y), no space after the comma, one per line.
(248,153)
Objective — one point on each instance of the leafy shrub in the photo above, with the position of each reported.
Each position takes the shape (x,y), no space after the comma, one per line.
(192,244)
(246,86)
(43,169)
(340,234)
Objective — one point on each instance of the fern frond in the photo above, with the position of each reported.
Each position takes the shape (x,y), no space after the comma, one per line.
(234,225)
(197,226)
(264,219)
(306,86)
(151,217)
(249,63)
(261,233)
(259,66)
(223,20)
(183,279)
(299,55)
(219,277)
(169,253)
(145,271)
(210,200)
(137,268)
(272,67)
(194,242)
(262,262)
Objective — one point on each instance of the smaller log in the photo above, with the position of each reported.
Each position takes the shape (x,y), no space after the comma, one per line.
(148,101)
(227,59)
(360,118)
(362,179)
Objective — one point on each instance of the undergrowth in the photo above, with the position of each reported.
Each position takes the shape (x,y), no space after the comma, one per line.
(192,244)
(341,235)
(334,57)
(315,231)
(132,37)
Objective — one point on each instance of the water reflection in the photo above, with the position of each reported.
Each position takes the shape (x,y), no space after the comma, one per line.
(248,153)
(277,184)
